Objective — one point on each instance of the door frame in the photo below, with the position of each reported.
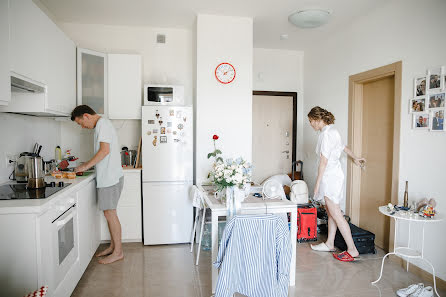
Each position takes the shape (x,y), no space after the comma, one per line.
(285,94)
(355,107)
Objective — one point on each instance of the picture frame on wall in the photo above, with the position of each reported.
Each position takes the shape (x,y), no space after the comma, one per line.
(419,86)
(434,79)
(417,104)
(420,121)
(437,122)
(443,77)
(436,101)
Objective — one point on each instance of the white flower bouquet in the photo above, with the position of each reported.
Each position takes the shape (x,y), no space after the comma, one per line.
(231,173)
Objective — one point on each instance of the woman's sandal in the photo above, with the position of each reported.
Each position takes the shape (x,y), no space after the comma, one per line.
(345,257)
(321,247)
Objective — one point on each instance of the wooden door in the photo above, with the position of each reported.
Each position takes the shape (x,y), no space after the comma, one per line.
(272,135)
(377,148)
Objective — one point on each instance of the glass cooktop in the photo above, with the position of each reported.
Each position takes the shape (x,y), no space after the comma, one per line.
(20,191)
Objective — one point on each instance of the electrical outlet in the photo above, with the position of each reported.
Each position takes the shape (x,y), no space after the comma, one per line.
(9,157)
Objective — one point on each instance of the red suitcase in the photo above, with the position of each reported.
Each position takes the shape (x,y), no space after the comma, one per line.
(306,223)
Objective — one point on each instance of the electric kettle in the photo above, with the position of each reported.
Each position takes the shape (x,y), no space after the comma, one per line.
(36,173)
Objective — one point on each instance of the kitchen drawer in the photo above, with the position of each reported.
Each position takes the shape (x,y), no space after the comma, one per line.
(132,180)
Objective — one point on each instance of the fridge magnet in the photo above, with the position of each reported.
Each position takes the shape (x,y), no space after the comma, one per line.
(163,130)
(180,126)
(154,140)
(160,121)
(437,123)
(169,124)
(184,119)
(157,114)
(151,122)
(434,76)
(436,101)
(171,112)
(420,86)
(174,132)
(149,132)
(417,105)
(163,139)
(179,114)
(155,131)
(176,140)
(169,131)
(420,121)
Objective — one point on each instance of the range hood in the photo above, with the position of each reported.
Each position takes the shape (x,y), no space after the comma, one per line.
(19,85)
(29,97)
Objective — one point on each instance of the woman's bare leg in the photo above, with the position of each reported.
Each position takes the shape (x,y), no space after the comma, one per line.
(338,217)
(332,227)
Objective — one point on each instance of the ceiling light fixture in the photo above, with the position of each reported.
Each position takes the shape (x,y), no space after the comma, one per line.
(309,18)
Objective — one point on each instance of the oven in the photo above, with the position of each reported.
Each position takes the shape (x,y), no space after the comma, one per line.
(59,239)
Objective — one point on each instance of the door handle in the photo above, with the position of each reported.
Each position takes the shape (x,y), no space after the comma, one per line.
(287,152)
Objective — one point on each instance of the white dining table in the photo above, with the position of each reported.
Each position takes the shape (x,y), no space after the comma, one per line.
(251,205)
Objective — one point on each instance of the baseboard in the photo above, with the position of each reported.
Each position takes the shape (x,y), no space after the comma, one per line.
(423,274)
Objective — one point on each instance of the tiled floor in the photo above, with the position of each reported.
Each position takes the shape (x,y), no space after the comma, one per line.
(169,270)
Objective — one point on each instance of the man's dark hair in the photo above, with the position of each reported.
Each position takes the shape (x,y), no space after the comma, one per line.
(80,110)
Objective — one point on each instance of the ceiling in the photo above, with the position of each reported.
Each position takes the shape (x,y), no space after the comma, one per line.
(270,17)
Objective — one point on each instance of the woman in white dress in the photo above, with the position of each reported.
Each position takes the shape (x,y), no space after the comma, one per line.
(330,181)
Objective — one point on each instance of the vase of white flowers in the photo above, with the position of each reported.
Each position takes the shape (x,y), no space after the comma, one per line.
(231,179)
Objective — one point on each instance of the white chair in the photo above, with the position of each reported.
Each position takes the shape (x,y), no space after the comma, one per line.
(200,205)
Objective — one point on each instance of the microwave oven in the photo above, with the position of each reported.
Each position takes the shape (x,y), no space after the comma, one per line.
(163,95)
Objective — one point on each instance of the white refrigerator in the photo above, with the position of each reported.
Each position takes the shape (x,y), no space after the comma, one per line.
(167,174)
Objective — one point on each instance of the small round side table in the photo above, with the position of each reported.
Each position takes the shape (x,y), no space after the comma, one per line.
(407,251)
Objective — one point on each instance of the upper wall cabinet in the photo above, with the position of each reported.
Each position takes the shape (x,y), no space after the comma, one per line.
(92,79)
(40,51)
(5,82)
(110,83)
(124,87)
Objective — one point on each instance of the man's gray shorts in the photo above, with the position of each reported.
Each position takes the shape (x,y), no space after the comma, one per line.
(108,197)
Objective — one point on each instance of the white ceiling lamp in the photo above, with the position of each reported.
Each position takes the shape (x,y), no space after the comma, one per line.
(309,18)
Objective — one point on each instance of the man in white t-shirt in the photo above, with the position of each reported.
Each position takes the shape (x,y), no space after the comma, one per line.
(109,175)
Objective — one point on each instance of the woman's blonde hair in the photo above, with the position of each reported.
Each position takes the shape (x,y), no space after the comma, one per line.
(318,113)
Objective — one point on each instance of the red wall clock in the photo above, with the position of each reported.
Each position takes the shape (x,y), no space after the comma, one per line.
(225,73)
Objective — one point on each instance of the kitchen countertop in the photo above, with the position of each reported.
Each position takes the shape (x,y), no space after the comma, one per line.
(36,206)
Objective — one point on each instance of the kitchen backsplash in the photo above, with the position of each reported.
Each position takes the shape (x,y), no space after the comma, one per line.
(81,140)
(19,133)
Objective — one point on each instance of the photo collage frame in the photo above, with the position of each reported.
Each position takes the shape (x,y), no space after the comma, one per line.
(428,102)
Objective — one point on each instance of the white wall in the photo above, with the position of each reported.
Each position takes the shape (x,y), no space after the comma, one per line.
(410,31)
(19,133)
(225,110)
(281,71)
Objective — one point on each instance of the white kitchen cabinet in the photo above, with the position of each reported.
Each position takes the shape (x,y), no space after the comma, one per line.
(29,40)
(61,73)
(5,81)
(124,86)
(41,52)
(89,224)
(44,242)
(129,209)
(92,80)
